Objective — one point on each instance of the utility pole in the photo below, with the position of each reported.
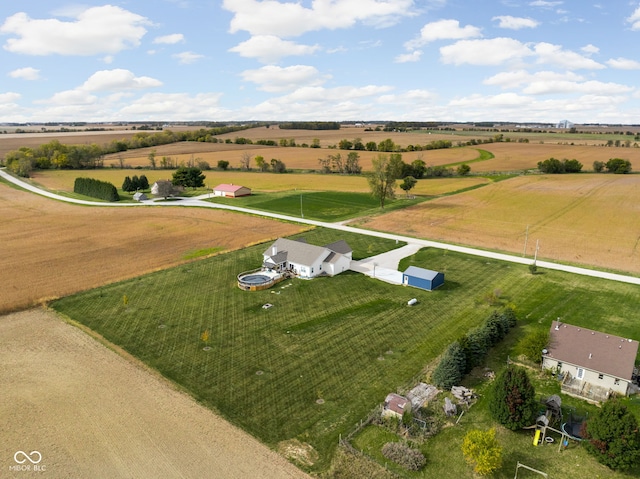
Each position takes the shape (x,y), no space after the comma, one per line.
(535,256)
(526,238)
(301,213)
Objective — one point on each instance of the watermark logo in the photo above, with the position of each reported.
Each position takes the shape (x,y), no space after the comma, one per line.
(27,462)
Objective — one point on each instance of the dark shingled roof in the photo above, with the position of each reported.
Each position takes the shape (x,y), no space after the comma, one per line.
(593,350)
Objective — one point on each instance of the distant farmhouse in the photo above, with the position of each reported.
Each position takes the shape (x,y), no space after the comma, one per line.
(565,124)
(594,364)
(307,260)
(422,278)
(231,190)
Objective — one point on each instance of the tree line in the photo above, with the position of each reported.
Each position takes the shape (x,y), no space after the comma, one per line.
(555,166)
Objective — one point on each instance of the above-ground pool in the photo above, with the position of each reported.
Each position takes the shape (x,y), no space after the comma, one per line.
(257,280)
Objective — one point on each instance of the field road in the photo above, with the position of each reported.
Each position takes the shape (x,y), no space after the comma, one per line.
(198,202)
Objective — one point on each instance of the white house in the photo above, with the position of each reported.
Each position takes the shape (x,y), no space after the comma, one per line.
(591,358)
(231,191)
(307,260)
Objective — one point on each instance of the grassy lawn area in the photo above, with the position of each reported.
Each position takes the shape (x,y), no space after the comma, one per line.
(319,205)
(348,340)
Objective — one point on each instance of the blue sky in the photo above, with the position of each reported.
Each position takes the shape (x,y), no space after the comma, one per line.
(414,60)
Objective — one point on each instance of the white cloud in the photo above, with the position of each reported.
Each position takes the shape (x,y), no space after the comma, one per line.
(414,56)
(270,49)
(170,39)
(555,55)
(634,19)
(186,58)
(288,19)
(278,79)
(515,79)
(443,30)
(106,29)
(70,98)
(515,23)
(545,4)
(9,98)
(588,87)
(27,73)
(495,51)
(118,79)
(590,49)
(623,64)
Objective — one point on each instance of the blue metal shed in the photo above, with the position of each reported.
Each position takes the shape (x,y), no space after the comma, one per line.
(422,278)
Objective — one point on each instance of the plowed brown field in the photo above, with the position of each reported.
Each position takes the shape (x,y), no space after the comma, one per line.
(586,219)
(92,413)
(52,249)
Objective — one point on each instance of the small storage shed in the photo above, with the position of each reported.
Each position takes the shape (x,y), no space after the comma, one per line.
(139,196)
(422,278)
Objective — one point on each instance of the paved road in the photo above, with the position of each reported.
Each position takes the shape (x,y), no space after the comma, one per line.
(198,202)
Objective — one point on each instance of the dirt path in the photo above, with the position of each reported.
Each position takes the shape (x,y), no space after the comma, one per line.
(89,412)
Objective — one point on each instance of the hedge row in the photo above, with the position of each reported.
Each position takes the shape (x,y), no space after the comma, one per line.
(410,459)
(96,189)
(470,350)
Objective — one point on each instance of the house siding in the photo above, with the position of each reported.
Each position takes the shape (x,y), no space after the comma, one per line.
(590,376)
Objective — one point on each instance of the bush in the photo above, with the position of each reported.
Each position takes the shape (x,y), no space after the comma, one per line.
(482,450)
(598,166)
(533,344)
(618,166)
(513,401)
(96,189)
(405,456)
(612,436)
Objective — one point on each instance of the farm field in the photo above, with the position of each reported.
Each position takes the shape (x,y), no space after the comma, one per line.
(307,369)
(523,156)
(583,219)
(90,412)
(62,180)
(54,249)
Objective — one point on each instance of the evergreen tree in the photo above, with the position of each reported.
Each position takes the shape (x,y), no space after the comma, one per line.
(612,436)
(513,401)
(143,182)
(135,182)
(126,185)
(451,367)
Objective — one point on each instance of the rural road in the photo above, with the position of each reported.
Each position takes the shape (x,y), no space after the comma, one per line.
(415,242)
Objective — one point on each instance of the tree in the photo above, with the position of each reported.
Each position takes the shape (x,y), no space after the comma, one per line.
(408,183)
(135,182)
(352,165)
(371,146)
(245,161)
(451,367)
(382,179)
(618,166)
(127,186)
(260,163)
(315,143)
(482,450)
(463,169)
(533,344)
(223,165)
(419,168)
(513,402)
(345,144)
(152,159)
(143,182)
(612,436)
(165,189)
(387,145)
(278,166)
(188,176)
(598,166)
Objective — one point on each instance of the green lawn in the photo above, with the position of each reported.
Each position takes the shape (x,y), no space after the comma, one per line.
(348,340)
(318,205)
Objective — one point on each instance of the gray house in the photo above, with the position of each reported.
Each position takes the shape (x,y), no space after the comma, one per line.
(307,260)
(422,278)
(590,360)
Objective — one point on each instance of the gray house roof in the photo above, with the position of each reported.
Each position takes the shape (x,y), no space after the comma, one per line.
(421,273)
(600,352)
(301,252)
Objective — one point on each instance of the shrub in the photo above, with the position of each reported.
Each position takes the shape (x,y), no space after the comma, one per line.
(513,400)
(618,166)
(482,450)
(407,457)
(533,344)
(598,166)
(612,436)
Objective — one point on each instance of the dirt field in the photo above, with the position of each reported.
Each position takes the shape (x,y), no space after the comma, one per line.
(585,219)
(52,249)
(91,413)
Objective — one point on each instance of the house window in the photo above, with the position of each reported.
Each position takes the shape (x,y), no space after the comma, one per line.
(600,376)
(559,364)
(616,382)
(311,270)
